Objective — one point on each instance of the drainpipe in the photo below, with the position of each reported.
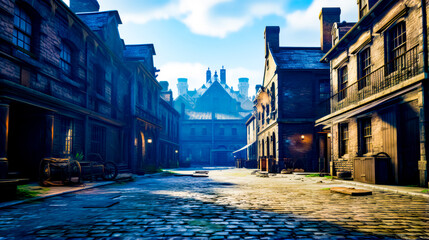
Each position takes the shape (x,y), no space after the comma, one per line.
(423,168)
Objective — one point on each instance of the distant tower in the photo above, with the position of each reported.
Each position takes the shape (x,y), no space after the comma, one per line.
(84,6)
(216,77)
(243,87)
(208,75)
(182,86)
(223,75)
(257,87)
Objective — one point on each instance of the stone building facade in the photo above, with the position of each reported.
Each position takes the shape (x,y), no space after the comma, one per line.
(379,94)
(213,118)
(294,84)
(66,87)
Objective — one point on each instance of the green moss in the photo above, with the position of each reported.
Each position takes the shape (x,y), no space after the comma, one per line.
(167,173)
(26,191)
(329,177)
(425,191)
(325,189)
(313,175)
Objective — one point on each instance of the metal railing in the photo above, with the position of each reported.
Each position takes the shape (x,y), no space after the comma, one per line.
(396,71)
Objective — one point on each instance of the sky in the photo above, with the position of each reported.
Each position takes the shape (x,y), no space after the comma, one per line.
(192,35)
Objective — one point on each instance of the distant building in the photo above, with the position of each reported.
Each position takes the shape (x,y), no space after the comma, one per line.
(287,104)
(379,75)
(213,118)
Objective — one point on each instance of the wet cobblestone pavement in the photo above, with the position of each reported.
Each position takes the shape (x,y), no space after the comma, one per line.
(230,204)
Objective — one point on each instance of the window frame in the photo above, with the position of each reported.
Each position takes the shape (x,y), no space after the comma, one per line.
(343,131)
(343,80)
(66,58)
(365,135)
(18,19)
(393,58)
(364,67)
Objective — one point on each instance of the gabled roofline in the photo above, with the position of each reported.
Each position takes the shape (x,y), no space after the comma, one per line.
(114,12)
(150,45)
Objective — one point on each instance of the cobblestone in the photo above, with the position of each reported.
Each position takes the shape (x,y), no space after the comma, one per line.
(230,204)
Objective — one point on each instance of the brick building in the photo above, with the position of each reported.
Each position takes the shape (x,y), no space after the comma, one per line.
(286,105)
(379,94)
(66,87)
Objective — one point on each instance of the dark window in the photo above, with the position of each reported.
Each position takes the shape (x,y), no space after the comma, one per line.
(366,135)
(204,131)
(149,100)
(397,46)
(100,79)
(342,82)
(22,29)
(192,131)
(363,8)
(98,140)
(234,131)
(324,87)
(221,131)
(364,68)
(344,139)
(65,59)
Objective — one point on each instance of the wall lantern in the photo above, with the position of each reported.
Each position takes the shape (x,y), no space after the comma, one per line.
(329,135)
(149,140)
(302,137)
(177,151)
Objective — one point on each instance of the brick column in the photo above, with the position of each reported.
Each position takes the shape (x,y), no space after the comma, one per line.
(49,133)
(4,132)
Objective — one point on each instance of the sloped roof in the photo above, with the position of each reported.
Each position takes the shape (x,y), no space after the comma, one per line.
(192,115)
(139,51)
(299,58)
(97,20)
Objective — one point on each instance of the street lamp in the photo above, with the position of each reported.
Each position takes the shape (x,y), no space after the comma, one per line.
(177,151)
(302,137)
(149,140)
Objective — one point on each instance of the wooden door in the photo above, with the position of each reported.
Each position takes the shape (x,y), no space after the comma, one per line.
(390,144)
(409,144)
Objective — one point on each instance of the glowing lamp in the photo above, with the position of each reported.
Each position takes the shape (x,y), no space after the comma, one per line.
(149,140)
(329,135)
(302,137)
(177,151)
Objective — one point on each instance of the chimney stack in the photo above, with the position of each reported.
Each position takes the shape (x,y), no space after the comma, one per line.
(208,75)
(164,85)
(223,75)
(84,6)
(327,17)
(272,38)
(182,86)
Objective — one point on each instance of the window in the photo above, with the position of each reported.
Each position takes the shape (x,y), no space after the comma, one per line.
(344,139)
(192,131)
(65,59)
(397,46)
(342,82)
(364,68)
(67,131)
(366,136)
(22,29)
(100,79)
(234,131)
(222,131)
(363,8)
(98,140)
(324,87)
(149,100)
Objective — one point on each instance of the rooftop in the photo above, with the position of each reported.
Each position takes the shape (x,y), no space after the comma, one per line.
(299,58)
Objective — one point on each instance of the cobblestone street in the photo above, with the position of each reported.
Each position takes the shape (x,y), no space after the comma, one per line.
(229,204)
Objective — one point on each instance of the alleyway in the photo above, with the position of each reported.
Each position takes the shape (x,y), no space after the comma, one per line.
(229,204)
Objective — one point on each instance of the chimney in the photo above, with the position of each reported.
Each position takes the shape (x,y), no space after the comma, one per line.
(243,87)
(84,6)
(182,86)
(272,39)
(223,75)
(327,17)
(164,85)
(208,75)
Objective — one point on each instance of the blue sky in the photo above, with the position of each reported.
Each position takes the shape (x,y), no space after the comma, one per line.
(192,35)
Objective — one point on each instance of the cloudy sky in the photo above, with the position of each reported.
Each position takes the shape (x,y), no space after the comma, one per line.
(192,35)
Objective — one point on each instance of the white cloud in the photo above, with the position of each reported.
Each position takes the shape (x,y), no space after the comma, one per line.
(196,75)
(303,26)
(200,18)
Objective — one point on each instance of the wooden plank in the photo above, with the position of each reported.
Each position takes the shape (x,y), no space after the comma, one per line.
(351,191)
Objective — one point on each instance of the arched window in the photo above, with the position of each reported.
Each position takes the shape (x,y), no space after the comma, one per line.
(22,30)
(65,59)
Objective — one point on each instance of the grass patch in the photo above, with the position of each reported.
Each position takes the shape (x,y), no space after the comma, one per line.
(313,175)
(329,177)
(325,189)
(152,169)
(26,191)
(205,224)
(425,191)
